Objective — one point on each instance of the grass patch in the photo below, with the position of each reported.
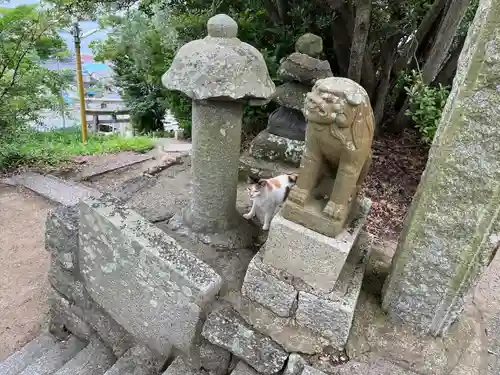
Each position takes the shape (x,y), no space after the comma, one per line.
(29,147)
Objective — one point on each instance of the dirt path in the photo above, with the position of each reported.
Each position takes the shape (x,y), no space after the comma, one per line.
(23,267)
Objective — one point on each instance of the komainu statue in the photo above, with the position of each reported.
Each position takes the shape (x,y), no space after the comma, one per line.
(337,156)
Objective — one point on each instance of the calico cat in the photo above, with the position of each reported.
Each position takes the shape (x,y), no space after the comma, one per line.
(268,194)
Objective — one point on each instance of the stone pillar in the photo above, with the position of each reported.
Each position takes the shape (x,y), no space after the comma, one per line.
(216,140)
(219,73)
(452,228)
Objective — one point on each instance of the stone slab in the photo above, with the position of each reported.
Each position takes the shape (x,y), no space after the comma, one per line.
(227,329)
(142,277)
(304,69)
(63,321)
(267,290)
(285,331)
(112,163)
(310,215)
(214,358)
(309,332)
(271,147)
(61,235)
(180,367)
(28,354)
(55,358)
(55,189)
(308,255)
(288,123)
(138,360)
(243,369)
(291,95)
(94,359)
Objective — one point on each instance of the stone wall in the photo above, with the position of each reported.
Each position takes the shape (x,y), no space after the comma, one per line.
(117,276)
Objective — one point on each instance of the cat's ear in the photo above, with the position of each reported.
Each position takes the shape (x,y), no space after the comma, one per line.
(292,177)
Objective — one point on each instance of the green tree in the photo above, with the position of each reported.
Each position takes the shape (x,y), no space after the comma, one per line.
(373,45)
(28,36)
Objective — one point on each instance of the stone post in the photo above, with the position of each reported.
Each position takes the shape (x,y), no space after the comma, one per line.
(452,228)
(219,73)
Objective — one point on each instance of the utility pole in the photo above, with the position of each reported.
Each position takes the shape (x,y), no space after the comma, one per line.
(79,76)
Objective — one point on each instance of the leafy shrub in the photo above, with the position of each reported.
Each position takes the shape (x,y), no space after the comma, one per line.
(426,105)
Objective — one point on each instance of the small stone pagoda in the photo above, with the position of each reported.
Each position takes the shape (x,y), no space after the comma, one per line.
(283,140)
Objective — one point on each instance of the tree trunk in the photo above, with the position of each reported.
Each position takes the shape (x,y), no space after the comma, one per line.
(443,40)
(360,36)
(423,29)
(438,53)
(387,60)
(446,75)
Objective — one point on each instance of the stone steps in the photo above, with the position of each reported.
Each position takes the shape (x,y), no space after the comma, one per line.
(95,359)
(55,355)
(30,353)
(55,189)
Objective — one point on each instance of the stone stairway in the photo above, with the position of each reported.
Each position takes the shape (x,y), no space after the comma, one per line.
(45,355)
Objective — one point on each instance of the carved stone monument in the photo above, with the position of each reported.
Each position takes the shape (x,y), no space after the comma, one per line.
(220,73)
(308,274)
(283,140)
(338,144)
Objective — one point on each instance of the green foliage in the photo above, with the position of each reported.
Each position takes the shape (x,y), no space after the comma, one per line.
(26,146)
(27,36)
(426,105)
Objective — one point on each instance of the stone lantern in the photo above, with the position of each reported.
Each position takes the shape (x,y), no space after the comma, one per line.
(220,74)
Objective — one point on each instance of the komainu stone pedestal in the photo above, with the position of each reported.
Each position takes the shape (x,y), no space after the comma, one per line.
(302,287)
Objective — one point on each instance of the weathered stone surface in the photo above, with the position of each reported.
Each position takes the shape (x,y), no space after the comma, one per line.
(309,44)
(304,68)
(109,331)
(227,329)
(287,123)
(332,317)
(308,255)
(326,317)
(267,290)
(80,315)
(216,150)
(61,235)
(200,68)
(61,279)
(295,365)
(63,319)
(374,331)
(180,367)
(214,358)
(138,360)
(285,331)
(141,276)
(272,147)
(308,370)
(243,369)
(452,228)
(291,95)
